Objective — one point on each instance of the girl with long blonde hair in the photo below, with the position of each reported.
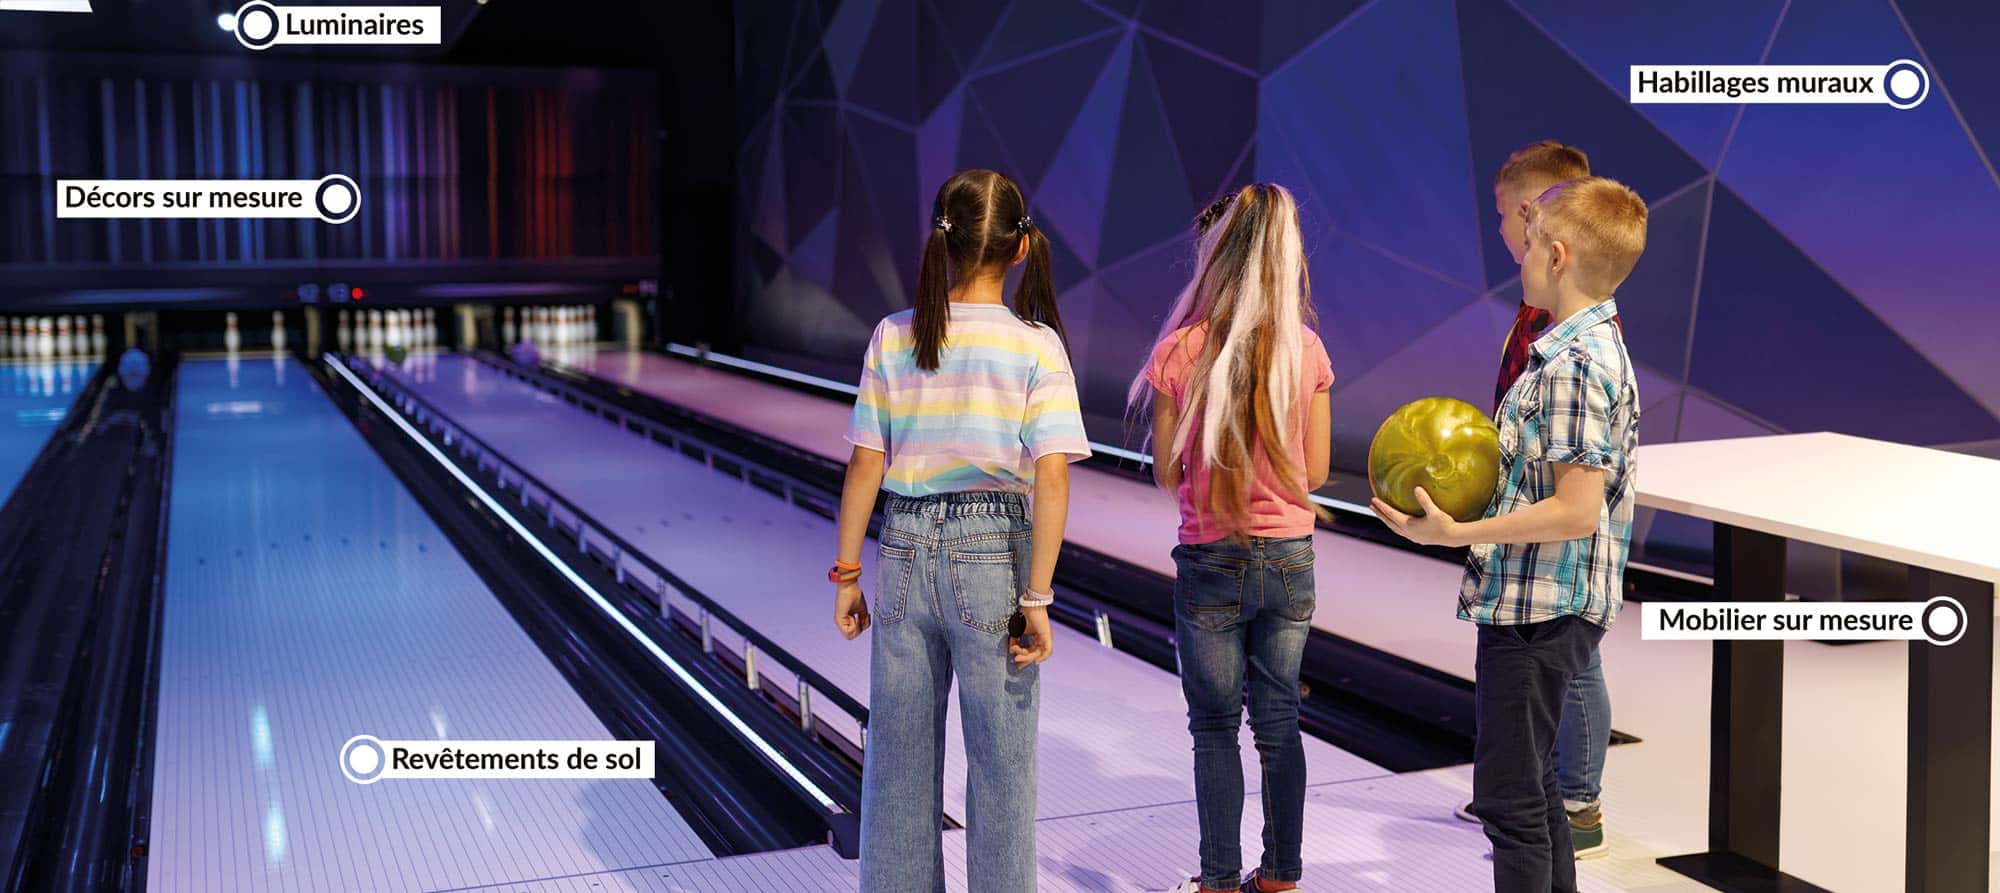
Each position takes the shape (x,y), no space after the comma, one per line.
(1238,384)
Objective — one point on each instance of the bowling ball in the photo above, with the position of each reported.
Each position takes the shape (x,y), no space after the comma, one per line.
(396,354)
(1446,446)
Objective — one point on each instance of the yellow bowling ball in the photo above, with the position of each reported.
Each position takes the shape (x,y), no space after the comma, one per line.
(1446,446)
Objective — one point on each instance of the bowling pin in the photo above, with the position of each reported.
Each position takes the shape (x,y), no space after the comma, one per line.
(278,330)
(45,337)
(12,338)
(232,340)
(97,334)
(375,329)
(62,336)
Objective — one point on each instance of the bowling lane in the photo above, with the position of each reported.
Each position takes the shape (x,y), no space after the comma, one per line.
(1380,595)
(308,599)
(1113,729)
(34,397)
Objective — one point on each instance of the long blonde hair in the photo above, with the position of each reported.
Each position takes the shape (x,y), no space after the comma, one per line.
(1252,289)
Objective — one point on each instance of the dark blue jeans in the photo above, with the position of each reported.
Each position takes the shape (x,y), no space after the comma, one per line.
(1244,609)
(1524,674)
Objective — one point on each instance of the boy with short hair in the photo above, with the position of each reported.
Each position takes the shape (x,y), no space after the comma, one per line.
(1545,573)
(1584,734)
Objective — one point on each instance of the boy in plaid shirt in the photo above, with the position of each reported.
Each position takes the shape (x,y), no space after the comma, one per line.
(1545,573)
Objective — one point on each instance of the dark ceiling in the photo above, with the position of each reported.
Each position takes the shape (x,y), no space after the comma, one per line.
(595,33)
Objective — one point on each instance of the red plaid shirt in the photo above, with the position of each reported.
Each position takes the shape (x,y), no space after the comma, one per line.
(1529,323)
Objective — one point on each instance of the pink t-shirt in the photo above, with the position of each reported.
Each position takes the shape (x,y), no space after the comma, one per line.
(1272,510)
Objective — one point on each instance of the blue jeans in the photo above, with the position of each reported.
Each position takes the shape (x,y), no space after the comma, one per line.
(1584,735)
(1524,674)
(952,570)
(1245,608)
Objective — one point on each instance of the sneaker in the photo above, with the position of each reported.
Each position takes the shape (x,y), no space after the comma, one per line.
(1464,814)
(1586,832)
(1250,884)
(1192,885)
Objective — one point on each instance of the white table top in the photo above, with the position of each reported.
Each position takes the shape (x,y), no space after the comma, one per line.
(1914,505)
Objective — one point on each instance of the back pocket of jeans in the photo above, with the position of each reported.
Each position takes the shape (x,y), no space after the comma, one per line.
(895,565)
(1208,591)
(987,587)
(1297,573)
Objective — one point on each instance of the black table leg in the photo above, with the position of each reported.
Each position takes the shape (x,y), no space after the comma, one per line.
(1746,730)
(1951,743)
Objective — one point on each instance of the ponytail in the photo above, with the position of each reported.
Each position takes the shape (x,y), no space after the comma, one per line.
(977,224)
(933,295)
(1035,298)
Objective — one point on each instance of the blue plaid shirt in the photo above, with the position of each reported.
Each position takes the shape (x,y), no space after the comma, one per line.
(1576,403)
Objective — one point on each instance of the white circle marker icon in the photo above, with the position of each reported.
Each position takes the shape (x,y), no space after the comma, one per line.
(1905,84)
(1942,620)
(337,198)
(257,24)
(361,759)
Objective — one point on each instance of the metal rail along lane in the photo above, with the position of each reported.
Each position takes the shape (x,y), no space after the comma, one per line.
(649,591)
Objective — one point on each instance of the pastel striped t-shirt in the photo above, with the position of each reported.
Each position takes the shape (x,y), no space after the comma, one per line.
(1003,396)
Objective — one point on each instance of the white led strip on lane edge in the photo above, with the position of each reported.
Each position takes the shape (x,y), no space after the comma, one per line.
(770,753)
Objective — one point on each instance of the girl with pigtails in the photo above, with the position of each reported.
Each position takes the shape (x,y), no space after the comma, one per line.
(967,409)
(1238,385)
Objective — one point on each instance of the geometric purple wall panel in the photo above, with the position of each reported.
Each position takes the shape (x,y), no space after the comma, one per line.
(1958,40)
(1212,138)
(1149,201)
(1778,337)
(1704,32)
(1018,104)
(1905,215)
(1224,30)
(1656,302)
(1033,26)
(1375,124)
(1521,87)
(1840,250)
(1291,27)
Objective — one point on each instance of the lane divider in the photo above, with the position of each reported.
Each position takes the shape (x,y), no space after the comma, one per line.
(770,752)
